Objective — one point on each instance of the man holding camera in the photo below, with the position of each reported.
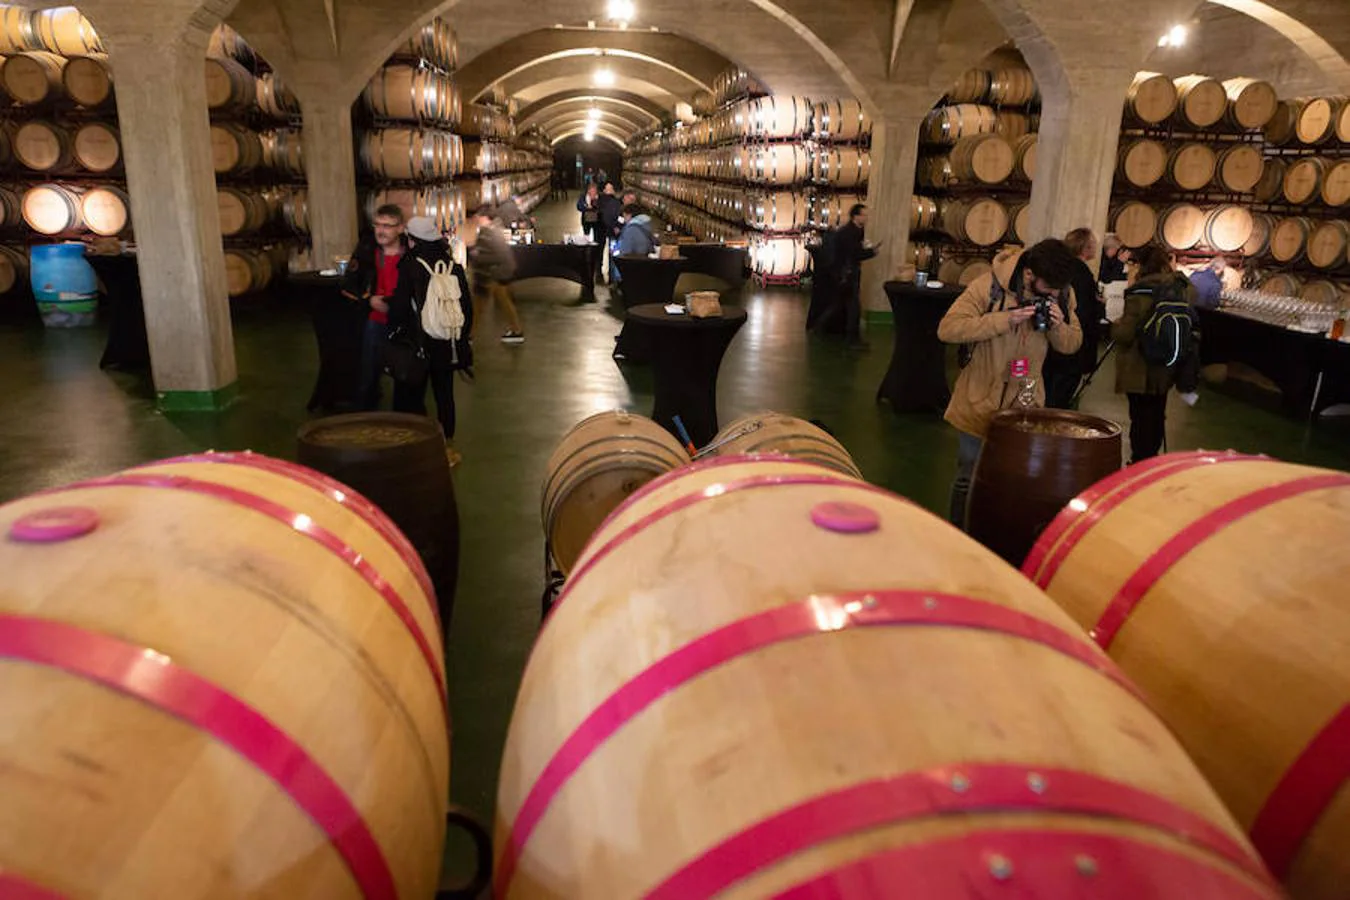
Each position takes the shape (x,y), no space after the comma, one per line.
(1008,320)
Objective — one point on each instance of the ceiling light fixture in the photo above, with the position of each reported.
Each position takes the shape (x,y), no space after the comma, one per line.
(603,78)
(1175,37)
(593,113)
(621,10)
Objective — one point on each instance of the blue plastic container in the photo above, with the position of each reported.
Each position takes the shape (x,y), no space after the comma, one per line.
(64,284)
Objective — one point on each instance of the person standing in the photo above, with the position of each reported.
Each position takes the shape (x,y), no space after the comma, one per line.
(494,265)
(1115,256)
(996,317)
(611,220)
(372,277)
(1208,283)
(1146,383)
(445,356)
(636,238)
(1064,372)
(850,251)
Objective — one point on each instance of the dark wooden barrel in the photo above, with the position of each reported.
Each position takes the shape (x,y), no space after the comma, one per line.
(1033,463)
(396,461)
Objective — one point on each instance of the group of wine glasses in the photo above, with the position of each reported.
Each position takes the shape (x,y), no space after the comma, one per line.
(1285,312)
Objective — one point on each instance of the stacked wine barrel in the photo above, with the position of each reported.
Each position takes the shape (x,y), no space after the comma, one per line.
(973,182)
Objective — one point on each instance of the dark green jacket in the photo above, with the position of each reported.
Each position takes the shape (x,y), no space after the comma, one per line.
(1134,374)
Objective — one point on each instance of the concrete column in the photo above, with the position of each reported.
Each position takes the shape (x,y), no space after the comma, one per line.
(1076,155)
(166,147)
(330,171)
(890,191)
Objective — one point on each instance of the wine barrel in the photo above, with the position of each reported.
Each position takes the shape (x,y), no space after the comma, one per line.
(962,271)
(779,256)
(1289,240)
(1201,101)
(11,208)
(1143,163)
(1019,223)
(1259,242)
(780,117)
(1323,293)
(1024,155)
(229,86)
(397,153)
(234,148)
(842,120)
(16,30)
(844,166)
(52,209)
(782,164)
(1319,120)
(1210,580)
(971,87)
(33,78)
(778,211)
(1303,179)
(921,256)
(226,43)
(1282,128)
(778,434)
(88,81)
(1135,223)
(1251,103)
(1228,228)
(1327,244)
(1271,185)
(985,158)
(329,633)
(247,272)
(398,463)
(596,466)
(1336,183)
(403,92)
(1191,166)
(1034,461)
(1012,86)
(980,220)
(1152,98)
(13,268)
(1240,168)
(240,211)
(295,210)
(923,215)
(1181,226)
(65,31)
(283,151)
(275,99)
(106,210)
(935,716)
(42,146)
(936,172)
(1012,125)
(949,124)
(1282,285)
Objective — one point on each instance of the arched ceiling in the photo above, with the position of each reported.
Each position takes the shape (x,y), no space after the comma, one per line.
(579,107)
(652,108)
(614,137)
(581,83)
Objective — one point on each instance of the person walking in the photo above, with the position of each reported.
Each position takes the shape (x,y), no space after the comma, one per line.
(1064,372)
(493,266)
(611,212)
(445,356)
(372,276)
(1142,375)
(1008,320)
(850,251)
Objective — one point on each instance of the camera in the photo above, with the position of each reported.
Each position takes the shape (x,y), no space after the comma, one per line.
(1040,319)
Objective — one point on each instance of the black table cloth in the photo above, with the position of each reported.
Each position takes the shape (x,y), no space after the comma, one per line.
(727,264)
(917,378)
(1311,371)
(339,326)
(576,263)
(647,280)
(128,346)
(686,354)
(824,292)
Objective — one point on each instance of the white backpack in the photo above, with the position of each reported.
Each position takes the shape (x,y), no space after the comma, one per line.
(442,316)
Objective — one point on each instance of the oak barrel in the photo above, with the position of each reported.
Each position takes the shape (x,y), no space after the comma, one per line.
(1135,223)
(226,43)
(13,268)
(779,256)
(65,31)
(1152,98)
(971,87)
(1201,101)
(1251,103)
(240,211)
(295,210)
(830,210)
(923,215)
(88,81)
(16,30)
(290,670)
(234,148)
(1032,463)
(1289,239)
(977,220)
(247,271)
(397,153)
(783,164)
(1191,166)
(229,85)
(1012,86)
(800,671)
(776,433)
(1336,183)
(962,271)
(985,159)
(842,120)
(1282,127)
(778,211)
(33,78)
(1025,151)
(1282,285)
(1019,223)
(1303,179)
(42,146)
(1181,226)
(404,92)
(1319,120)
(1228,227)
(949,124)
(1240,168)
(52,208)
(596,466)
(1271,186)
(1216,582)
(1259,242)
(1322,292)
(844,166)
(283,151)
(97,147)
(1143,163)
(1012,125)
(106,210)
(11,208)
(1327,244)
(776,118)
(398,462)
(274,98)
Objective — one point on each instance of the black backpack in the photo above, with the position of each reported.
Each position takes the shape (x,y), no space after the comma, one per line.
(1166,335)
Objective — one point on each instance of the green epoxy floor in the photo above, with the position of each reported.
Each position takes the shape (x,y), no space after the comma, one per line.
(62,419)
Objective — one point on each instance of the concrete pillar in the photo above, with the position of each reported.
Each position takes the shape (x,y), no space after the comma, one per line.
(330,172)
(890,191)
(1076,154)
(166,148)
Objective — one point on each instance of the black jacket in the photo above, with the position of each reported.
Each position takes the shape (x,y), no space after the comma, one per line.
(359,282)
(1090,313)
(405,307)
(849,253)
(611,209)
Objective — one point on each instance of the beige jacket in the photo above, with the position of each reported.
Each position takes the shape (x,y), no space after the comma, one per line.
(984,387)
